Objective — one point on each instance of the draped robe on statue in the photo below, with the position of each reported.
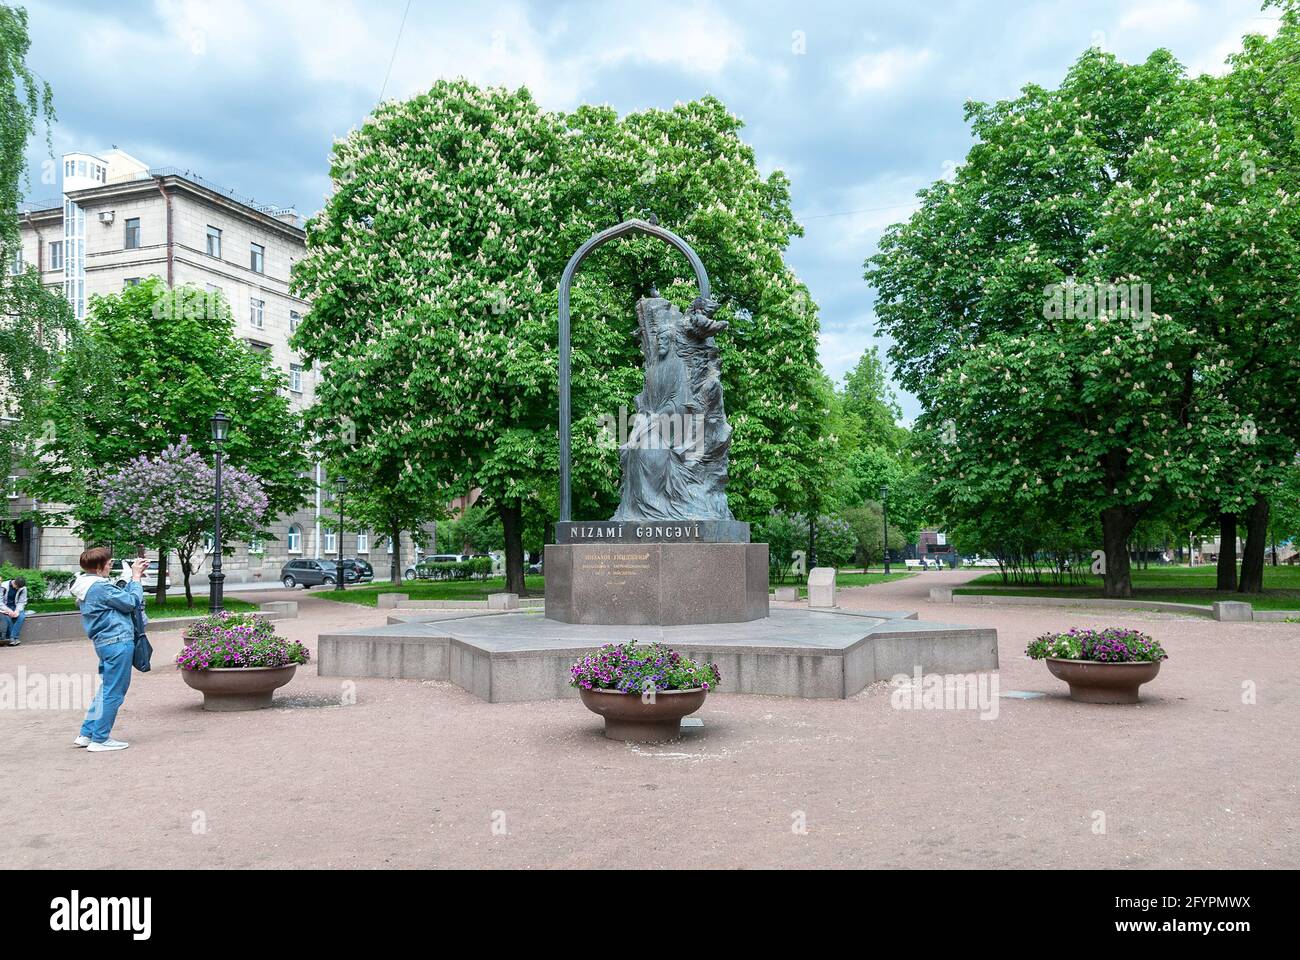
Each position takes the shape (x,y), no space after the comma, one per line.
(674,462)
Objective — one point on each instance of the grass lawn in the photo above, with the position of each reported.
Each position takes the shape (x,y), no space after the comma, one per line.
(1170,584)
(431,590)
(174,607)
(479,589)
(853,580)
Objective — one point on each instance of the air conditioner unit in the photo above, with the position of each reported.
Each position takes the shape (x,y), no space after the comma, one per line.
(106,217)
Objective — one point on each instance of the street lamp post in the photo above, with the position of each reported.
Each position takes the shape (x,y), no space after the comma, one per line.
(220,428)
(341,484)
(884,519)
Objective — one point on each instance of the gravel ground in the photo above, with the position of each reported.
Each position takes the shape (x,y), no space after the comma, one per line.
(420,774)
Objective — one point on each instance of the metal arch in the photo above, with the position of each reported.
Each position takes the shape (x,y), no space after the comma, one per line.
(566,282)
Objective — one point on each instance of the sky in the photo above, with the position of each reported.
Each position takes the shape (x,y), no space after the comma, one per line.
(859,103)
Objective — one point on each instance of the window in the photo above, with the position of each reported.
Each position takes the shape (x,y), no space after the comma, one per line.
(133,233)
(56,254)
(131,282)
(16,262)
(257,257)
(295,377)
(257,312)
(295,318)
(331,540)
(390,545)
(11,488)
(294,538)
(255,548)
(214,242)
(209,544)
(363,541)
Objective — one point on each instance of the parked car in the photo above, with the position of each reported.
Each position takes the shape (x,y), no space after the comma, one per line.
(150,579)
(422,569)
(312,573)
(535,567)
(358,570)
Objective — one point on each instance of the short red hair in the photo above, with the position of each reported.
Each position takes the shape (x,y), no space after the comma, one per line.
(95,558)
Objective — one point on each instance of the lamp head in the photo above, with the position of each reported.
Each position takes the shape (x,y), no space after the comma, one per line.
(220,426)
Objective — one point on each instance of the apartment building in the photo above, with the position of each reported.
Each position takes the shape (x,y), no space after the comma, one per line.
(119,221)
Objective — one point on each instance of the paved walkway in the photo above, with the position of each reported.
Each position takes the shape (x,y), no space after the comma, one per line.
(376,773)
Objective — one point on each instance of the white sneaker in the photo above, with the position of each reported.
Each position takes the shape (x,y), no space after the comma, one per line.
(81,742)
(109,744)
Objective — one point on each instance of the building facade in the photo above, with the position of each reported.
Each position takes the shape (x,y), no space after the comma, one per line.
(119,222)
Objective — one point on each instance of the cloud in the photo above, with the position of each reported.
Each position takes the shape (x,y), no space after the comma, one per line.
(1166,14)
(875,72)
(861,112)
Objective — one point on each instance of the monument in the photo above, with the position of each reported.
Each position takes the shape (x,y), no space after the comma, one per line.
(672,565)
(672,553)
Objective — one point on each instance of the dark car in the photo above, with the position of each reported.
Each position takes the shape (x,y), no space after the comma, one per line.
(358,570)
(312,573)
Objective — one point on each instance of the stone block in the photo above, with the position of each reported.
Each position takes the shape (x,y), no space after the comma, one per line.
(1233,611)
(787,594)
(389,601)
(941,594)
(519,656)
(821,587)
(503,601)
(286,609)
(656,583)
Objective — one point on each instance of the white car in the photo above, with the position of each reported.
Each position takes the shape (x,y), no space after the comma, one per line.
(150,579)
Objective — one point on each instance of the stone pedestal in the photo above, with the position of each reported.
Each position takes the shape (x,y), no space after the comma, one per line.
(1233,611)
(821,587)
(656,583)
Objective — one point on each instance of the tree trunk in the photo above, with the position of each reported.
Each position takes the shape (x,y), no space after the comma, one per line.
(395,565)
(512,523)
(1116,525)
(1252,558)
(1227,552)
(160,589)
(186,569)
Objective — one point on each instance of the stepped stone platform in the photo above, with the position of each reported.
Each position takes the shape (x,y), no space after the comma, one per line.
(521,655)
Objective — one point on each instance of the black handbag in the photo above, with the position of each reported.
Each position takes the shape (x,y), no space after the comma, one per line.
(143,652)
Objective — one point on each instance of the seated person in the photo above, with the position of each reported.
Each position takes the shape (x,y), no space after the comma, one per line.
(13,610)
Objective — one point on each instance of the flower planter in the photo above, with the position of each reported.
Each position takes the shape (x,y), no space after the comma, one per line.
(238,688)
(1092,681)
(629,717)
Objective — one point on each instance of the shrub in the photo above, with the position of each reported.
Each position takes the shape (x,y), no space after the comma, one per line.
(237,640)
(635,668)
(1112,645)
(36,582)
(57,583)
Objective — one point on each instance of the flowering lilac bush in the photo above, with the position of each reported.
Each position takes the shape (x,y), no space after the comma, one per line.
(635,668)
(166,501)
(237,640)
(1112,645)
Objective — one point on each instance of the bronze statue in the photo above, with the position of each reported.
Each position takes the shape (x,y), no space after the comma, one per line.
(674,462)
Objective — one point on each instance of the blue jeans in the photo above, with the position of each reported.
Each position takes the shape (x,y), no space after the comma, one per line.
(115,673)
(15,626)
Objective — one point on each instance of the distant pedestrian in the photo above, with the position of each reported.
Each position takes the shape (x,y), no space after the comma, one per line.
(13,610)
(110,612)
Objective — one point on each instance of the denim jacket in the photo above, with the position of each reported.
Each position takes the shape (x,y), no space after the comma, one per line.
(108,612)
